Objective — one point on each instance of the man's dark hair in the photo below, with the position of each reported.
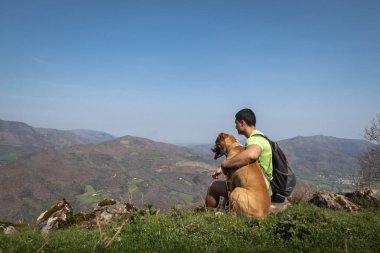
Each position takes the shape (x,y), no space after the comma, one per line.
(247,115)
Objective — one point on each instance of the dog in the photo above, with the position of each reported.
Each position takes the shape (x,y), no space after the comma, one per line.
(248,193)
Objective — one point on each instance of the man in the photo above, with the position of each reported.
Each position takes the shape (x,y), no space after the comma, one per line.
(257,148)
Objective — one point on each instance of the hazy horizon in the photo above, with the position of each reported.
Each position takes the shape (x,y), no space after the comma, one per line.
(241,138)
(178,71)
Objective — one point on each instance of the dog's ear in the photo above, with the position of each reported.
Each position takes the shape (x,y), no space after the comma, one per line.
(221,136)
(218,138)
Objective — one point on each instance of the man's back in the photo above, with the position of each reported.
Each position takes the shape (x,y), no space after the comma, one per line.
(265,158)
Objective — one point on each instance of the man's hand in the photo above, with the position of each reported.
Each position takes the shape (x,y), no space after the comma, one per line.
(217,173)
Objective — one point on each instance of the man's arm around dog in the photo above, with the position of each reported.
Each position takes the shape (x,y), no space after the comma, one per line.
(249,155)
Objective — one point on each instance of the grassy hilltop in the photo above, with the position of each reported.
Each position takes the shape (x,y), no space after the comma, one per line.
(301,228)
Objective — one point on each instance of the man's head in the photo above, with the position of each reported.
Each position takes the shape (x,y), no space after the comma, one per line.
(245,120)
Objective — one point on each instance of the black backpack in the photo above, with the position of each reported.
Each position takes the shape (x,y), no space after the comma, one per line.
(284,180)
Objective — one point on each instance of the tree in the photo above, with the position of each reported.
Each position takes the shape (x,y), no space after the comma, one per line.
(372,133)
(370,160)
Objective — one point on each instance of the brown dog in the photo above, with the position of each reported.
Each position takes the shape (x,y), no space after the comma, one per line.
(248,194)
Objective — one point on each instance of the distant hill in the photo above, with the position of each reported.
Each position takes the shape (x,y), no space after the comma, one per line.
(128,168)
(95,136)
(17,139)
(324,160)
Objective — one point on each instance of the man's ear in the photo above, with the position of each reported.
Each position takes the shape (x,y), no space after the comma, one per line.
(242,123)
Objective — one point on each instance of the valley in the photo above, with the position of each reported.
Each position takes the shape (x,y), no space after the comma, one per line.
(142,171)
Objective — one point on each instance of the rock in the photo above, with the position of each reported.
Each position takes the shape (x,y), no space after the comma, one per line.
(278,207)
(82,217)
(108,210)
(107,202)
(366,197)
(56,217)
(333,201)
(7,228)
(10,230)
(105,213)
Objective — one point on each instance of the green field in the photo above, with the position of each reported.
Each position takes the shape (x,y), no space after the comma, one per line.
(301,228)
(11,156)
(91,196)
(187,198)
(133,184)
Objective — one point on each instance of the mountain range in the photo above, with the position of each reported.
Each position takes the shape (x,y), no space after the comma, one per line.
(325,161)
(86,166)
(17,139)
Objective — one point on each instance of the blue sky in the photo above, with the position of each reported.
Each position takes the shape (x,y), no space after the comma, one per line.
(178,71)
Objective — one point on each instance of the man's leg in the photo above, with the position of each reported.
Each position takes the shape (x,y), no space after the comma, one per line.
(216,190)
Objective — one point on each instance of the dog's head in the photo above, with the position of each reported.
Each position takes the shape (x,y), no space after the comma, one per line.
(222,142)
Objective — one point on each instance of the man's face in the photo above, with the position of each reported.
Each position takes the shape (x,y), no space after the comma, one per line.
(239,125)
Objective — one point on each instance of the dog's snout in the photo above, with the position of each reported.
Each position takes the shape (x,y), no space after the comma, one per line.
(216,150)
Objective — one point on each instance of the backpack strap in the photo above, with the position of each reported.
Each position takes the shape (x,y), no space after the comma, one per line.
(262,136)
(265,174)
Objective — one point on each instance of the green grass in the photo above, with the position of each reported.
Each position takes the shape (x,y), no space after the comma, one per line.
(91,196)
(187,198)
(133,184)
(301,228)
(12,156)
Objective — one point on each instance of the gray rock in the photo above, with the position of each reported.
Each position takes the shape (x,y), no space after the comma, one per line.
(10,230)
(368,197)
(105,213)
(333,201)
(279,207)
(56,217)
